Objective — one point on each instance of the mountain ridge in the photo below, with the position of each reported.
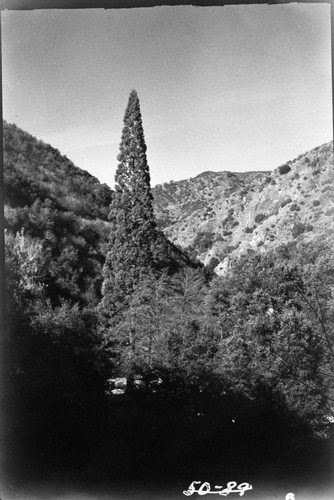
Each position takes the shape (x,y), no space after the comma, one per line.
(213,217)
(218,215)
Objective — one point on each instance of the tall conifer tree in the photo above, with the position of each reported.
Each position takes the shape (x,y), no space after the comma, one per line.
(133,230)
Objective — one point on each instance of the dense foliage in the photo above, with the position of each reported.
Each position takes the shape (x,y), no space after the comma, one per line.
(137,251)
(35,170)
(55,382)
(132,233)
(63,208)
(235,368)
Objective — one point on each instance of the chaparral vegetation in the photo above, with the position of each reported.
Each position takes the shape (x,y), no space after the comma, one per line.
(127,355)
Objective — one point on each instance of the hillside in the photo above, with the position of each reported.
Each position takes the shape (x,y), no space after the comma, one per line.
(219,214)
(212,216)
(209,369)
(33,169)
(60,206)
(65,209)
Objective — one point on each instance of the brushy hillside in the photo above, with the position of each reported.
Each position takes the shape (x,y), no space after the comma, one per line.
(220,214)
(61,207)
(65,209)
(34,169)
(231,371)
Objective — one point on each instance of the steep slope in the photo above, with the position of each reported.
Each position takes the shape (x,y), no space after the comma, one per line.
(59,205)
(33,169)
(66,209)
(217,215)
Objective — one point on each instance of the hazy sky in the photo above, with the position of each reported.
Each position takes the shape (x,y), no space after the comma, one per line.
(221,88)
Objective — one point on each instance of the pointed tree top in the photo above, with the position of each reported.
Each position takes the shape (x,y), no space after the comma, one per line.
(133,97)
(133,107)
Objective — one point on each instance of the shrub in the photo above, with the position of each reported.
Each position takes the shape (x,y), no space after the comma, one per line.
(285,202)
(259,218)
(298,228)
(203,241)
(249,229)
(260,243)
(226,251)
(295,207)
(316,203)
(327,147)
(284,169)
(316,172)
(295,176)
(213,262)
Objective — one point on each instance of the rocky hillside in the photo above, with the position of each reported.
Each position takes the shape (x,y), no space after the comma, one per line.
(213,216)
(219,214)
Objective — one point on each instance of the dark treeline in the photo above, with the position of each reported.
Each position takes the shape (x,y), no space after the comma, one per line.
(126,358)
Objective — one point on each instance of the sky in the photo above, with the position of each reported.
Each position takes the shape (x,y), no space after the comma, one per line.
(232,88)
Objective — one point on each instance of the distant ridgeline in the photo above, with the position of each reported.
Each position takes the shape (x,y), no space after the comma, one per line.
(218,215)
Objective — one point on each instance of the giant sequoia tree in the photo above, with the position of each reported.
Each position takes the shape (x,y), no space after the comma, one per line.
(133,232)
